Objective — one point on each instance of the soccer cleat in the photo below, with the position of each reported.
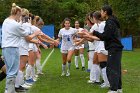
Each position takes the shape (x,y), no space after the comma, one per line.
(36,76)
(88,70)
(29,82)
(40,73)
(83,68)
(119,91)
(63,74)
(35,79)
(20,89)
(77,67)
(104,85)
(5,91)
(90,81)
(110,91)
(97,83)
(26,86)
(68,73)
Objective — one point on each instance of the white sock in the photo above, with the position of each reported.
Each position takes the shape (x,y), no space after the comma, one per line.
(19,79)
(63,67)
(105,76)
(82,60)
(28,72)
(98,72)
(38,66)
(90,61)
(76,61)
(69,64)
(33,72)
(93,73)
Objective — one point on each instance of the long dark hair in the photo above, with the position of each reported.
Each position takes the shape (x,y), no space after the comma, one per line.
(66,19)
(108,10)
(97,15)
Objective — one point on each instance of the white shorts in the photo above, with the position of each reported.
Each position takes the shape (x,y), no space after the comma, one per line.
(23,51)
(79,47)
(66,51)
(33,47)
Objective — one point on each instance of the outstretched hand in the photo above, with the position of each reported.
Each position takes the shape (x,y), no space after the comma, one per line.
(56,42)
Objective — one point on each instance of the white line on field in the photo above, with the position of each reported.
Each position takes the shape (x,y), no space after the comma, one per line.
(47,58)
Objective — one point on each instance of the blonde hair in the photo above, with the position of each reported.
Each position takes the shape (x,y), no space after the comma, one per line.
(15,9)
(25,11)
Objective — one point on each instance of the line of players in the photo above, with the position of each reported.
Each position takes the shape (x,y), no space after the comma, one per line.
(21,37)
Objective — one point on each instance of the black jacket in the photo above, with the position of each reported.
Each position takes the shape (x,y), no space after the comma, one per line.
(111,35)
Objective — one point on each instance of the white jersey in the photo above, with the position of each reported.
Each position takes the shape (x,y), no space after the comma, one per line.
(11,33)
(100,44)
(23,43)
(92,44)
(67,38)
(78,38)
(79,29)
(33,46)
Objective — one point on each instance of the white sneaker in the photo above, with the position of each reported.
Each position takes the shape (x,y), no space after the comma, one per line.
(104,85)
(68,73)
(40,73)
(35,79)
(63,74)
(5,91)
(90,81)
(36,76)
(26,86)
(112,91)
(119,91)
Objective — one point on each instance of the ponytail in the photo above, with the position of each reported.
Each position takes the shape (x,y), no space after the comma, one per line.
(15,9)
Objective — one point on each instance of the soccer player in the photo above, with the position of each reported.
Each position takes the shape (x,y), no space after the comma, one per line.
(100,51)
(79,48)
(67,47)
(12,31)
(30,71)
(111,36)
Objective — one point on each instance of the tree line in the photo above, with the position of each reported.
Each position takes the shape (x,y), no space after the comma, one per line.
(54,11)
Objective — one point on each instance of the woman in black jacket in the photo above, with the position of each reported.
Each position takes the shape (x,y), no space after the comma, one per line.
(112,39)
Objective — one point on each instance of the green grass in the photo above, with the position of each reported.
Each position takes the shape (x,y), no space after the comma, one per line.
(52,82)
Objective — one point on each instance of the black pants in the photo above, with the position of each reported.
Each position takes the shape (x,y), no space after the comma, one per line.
(114,69)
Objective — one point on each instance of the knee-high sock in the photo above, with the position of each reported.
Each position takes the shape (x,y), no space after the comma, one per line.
(33,72)
(63,67)
(19,79)
(93,73)
(10,85)
(82,60)
(2,76)
(104,76)
(76,61)
(98,73)
(38,66)
(69,65)
(28,72)
(90,61)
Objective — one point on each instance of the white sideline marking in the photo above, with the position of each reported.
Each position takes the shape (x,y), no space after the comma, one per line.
(47,58)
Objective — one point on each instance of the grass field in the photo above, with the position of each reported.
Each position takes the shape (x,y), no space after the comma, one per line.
(52,82)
